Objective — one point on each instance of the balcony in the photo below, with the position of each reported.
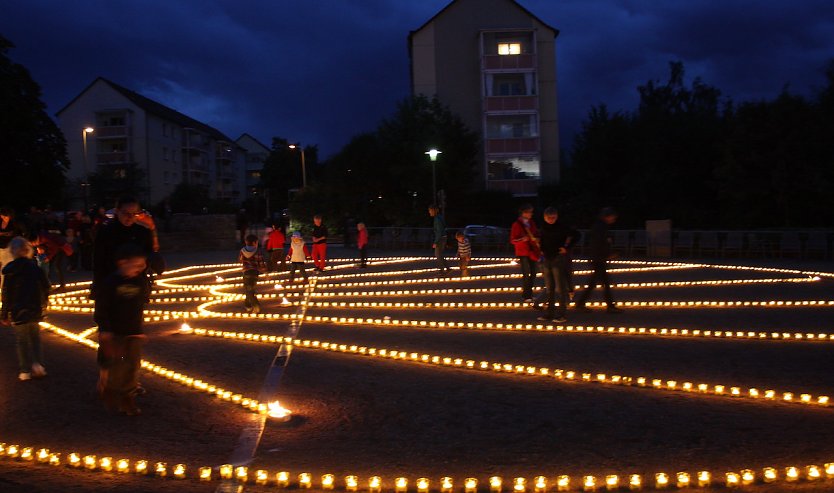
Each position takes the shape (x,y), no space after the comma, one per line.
(511,103)
(119,131)
(509,62)
(512,146)
(515,187)
(113,158)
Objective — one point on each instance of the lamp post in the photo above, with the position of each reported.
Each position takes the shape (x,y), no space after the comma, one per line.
(86,183)
(432,153)
(303,164)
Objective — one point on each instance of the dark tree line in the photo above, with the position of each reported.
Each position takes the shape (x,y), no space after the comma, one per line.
(689,155)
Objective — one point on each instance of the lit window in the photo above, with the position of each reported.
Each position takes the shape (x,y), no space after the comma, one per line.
(509,48)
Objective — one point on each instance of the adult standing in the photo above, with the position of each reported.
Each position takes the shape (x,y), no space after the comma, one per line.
(556,241)
(319,243)
(9,228)
(124,229)
(439,237)
(600,242)
(524,235)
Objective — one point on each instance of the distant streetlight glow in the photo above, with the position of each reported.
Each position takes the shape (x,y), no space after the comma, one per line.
(432,153)
(303,164)
(86,183)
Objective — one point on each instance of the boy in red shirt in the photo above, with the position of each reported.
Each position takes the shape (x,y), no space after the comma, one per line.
(524,235)
(275,247)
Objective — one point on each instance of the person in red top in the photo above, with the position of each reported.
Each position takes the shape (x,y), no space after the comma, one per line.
(319,243)
(524,235)
(275,247)
(362,243)
(52,251)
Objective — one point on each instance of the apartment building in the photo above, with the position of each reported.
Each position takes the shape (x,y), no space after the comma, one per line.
(493,63)
(111,129)
(256,154)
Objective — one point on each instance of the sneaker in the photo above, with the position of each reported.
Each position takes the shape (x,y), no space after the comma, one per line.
(38,370)
(559,320)
(23,376)
(614,309)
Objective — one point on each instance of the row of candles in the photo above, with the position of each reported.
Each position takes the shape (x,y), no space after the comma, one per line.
(517,369)
(375,484)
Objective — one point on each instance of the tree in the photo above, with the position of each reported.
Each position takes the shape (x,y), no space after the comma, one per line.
(282,171)
(33,151)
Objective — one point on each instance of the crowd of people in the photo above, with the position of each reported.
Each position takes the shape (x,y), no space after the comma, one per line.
(121,249)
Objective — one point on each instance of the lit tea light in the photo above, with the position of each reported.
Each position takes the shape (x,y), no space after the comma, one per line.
(732,480)
(589,483)
(27,454)
(612,482)
(351,483)
(226,471)
(43,455)
(829,470)
(813,473)
(423,485)
(563,483)
(278,412)
(161,469)
(179,471)
(683,480)
(282,479)
(470,485)
(73,459)
(305,480)
(540,484)
(285,301)
(401,485)
(791,474)
(186,329)
(769,475)
(54,459)
(704,479)
(140,467)
(328,481)
(106,463)
(278,287)
(446,485)
(495,483)
(205,474)
(635,482)
(661,480)
(519,485)
(90,462)
(218,279)
(374,484)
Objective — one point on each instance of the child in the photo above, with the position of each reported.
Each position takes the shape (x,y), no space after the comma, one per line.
(464,253)
(297,255)
(120,301)
(52,251)
(25,295)
(252,263)
(275,247)
(319,243)
(362,243)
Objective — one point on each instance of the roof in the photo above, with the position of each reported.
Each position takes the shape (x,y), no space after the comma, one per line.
(246,134)
(154,108)
(514,2)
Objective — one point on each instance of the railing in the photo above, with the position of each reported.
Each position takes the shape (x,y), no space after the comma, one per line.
(113,131)
(512,146)
(511,103)
(509,62)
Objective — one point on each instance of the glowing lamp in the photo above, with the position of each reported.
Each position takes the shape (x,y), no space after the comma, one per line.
(612,482)
(285,301)
(282,479)
(161,469)
(140,467)
(704,479)
(327,481)
(13,451)
(423,485)
(90,462)
(829,470)
(683,480)
(661,480)
(278,412)
(446,485)
(27,453)
(791,474)
(470,485)
(54,459)
(635,482)
(106,464)
(186,329)
(351,483)
(589,483)
(747,477)
(205,474)
(540,484)
(2,449)
(563,483)
(374,484)
(519,485)
(305,480)
(813,473)
(732,480)
(179,471)
(226,471)
(495,484)
(769,475)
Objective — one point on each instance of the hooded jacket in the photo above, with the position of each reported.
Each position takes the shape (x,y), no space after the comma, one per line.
(250,258)
(25,292)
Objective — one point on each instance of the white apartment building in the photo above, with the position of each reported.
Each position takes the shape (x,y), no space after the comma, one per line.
(109,128)
(256,154)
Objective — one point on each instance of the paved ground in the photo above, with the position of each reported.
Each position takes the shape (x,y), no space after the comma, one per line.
(372,416)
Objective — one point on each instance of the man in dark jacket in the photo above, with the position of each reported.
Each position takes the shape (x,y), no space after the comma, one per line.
(25,297)
(600,243)
(121,231)
(556,240)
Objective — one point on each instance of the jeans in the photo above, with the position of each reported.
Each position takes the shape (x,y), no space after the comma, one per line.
(277,256)
(555,272)
(439,246)
(120,360)
(599,276)
(29,349)
(57,265)
(528,276)
(363,256)
(319,255)
(250,284)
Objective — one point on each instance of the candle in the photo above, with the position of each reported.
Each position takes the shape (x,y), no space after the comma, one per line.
(179,471)
(423,485)
(769,475)
(106,463)
(495,483)
(612,482)
(90,462)
(446,485)
(305,480)
(351,483)
(635,482)
(470,485)
(226,471)
(327,481)
(161,469)
(401,485)
(282,479)
(374,484)
(205,474)
(540,484)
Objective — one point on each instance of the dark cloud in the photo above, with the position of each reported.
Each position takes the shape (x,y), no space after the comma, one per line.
(322,71)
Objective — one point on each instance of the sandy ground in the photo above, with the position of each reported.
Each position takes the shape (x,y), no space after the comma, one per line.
(367,416)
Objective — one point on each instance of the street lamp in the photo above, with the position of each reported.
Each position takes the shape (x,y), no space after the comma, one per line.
(303,164)
(433,157)
(86,183)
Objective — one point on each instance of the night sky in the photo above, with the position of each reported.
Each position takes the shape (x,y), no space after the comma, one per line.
(321,71)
